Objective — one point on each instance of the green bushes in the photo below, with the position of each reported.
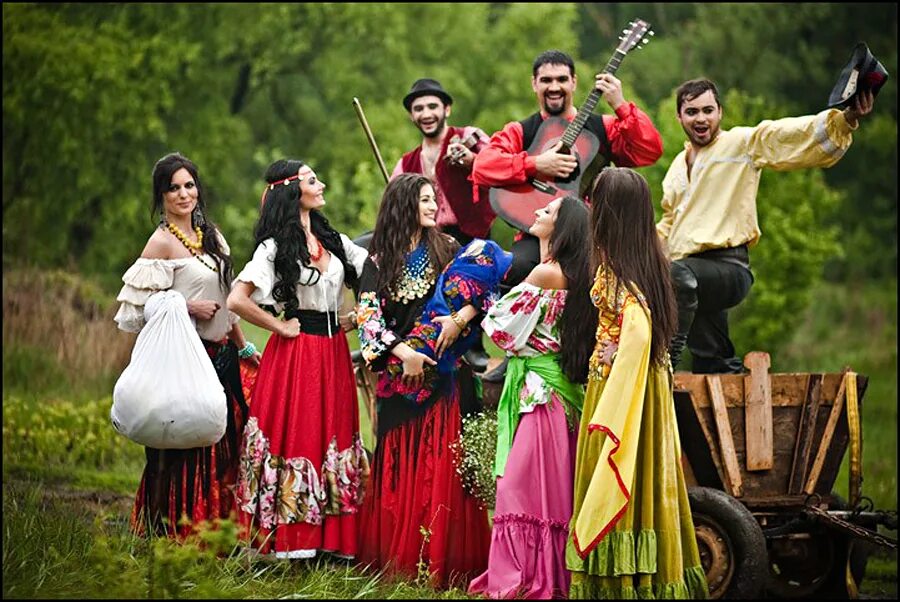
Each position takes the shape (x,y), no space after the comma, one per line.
(62,433)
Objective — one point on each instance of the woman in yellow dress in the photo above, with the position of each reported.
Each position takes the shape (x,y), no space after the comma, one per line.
(631,534)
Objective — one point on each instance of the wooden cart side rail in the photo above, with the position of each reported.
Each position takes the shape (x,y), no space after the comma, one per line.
(786,388)
(726,440)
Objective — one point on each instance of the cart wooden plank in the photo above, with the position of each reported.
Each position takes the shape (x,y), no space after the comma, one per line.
(825,441)
(758,412)
(806,432)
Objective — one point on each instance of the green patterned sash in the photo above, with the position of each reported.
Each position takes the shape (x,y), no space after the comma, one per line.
(547,367)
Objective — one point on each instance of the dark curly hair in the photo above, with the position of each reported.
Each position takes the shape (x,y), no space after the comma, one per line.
(397,223)
(279,219)
(163,171)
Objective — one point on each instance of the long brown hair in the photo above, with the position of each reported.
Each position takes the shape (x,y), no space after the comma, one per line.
(625,240)
(397,223)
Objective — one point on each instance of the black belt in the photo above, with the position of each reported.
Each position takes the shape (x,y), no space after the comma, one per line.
(315,322)
(739,255)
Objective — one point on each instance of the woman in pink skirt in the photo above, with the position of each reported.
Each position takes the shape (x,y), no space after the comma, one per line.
(541,324)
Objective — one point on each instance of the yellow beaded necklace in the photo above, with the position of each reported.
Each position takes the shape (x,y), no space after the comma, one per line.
(184,239)
(193,247)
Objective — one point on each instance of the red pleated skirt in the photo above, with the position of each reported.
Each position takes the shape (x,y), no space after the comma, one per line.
(416,508)
(303,468)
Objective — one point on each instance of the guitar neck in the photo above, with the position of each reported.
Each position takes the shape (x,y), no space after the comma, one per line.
(577,124)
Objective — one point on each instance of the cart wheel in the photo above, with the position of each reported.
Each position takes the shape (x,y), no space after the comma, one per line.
(732,544)
(836,583)
(813,564)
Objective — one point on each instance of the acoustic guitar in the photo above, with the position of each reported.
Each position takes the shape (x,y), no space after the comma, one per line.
(517,203)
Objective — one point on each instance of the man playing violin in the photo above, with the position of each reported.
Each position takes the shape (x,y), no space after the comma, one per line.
(446,156)
(628,139)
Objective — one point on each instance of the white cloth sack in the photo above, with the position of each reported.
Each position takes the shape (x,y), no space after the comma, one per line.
(169,396)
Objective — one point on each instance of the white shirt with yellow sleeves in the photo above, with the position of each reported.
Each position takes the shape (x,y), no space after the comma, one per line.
(715,207)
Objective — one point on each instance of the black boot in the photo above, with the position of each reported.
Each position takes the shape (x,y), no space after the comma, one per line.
(676,347)
(685,284)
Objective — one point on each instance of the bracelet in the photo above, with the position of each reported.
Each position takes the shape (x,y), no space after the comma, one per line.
(457,319)
(248,350)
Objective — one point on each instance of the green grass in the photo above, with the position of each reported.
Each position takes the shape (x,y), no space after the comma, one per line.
(69,480)
(59,547)
(68,485)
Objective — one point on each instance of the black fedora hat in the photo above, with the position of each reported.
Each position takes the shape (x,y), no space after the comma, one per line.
(426,87)
(862,72)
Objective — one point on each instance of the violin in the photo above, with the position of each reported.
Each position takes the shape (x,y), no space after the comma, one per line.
(455,155)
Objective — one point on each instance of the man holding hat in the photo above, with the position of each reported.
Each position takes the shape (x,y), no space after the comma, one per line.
(709,207)
(446,155)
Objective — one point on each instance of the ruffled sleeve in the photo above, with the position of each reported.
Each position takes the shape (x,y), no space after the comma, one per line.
(142,279)
(356,255)
(513,320)
(260,272)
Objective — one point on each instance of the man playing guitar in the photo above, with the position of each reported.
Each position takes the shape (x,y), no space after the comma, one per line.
(628,139)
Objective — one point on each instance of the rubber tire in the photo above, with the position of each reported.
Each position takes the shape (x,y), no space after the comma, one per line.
(835,586)
(734,523)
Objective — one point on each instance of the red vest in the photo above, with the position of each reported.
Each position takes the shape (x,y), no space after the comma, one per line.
(474,217)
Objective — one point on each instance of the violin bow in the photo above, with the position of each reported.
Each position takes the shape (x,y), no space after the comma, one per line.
(365,124)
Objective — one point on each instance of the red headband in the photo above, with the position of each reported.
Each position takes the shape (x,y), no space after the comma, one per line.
(272,185)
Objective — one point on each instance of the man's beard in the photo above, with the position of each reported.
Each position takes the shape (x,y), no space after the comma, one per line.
(554,112)
(711,134)
(437,130)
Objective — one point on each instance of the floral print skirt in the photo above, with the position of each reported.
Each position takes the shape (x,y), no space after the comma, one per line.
(302,466)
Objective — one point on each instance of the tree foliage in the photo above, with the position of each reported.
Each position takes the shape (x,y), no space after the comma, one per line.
(95,93)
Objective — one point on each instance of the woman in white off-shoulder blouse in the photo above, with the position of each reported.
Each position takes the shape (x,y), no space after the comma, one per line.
(541,324)
(186,253)
(303,466)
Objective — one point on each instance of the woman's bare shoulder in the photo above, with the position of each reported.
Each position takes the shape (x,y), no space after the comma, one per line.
(547,275)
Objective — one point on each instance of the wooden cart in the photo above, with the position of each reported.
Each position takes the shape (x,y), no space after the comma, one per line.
(761,454)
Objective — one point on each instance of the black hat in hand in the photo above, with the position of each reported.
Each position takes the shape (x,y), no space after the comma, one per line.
(862,72)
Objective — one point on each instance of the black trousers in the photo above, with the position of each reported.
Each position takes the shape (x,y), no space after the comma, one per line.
(707,285)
